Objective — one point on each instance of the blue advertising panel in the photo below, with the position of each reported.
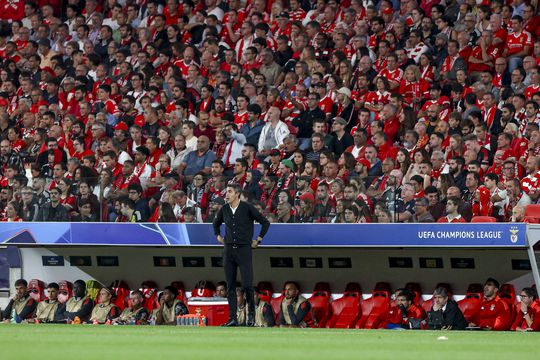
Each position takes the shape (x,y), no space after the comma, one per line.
(327,235)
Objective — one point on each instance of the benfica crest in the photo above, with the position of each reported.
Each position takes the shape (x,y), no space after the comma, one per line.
(514,234)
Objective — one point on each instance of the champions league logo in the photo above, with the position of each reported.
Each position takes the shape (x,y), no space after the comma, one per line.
(514,234)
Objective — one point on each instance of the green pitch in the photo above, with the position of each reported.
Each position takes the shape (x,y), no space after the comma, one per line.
(150,342)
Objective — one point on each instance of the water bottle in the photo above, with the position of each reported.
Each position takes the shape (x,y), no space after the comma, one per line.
(14,317)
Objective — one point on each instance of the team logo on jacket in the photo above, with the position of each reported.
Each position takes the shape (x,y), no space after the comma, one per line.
(514,234)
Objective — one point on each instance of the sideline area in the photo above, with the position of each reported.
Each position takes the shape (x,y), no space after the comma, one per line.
(142,342)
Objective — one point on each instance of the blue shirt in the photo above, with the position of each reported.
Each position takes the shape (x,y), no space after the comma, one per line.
(195,163)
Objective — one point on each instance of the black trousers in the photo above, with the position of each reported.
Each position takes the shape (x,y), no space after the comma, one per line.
(234,258)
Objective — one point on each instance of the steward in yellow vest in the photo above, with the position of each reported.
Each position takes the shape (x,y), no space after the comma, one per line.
(295,309)
(105,310)
(264,315)
(135,314)
(169,307)
(50,310)
(23,305)
(79,305)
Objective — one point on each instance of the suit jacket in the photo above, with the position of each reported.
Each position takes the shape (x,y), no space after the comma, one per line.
(451,316)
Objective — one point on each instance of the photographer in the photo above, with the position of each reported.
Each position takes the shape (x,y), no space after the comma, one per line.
(445,313)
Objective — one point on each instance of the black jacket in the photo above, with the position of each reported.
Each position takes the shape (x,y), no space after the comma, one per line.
(239,226)
(61,213)
(451,316)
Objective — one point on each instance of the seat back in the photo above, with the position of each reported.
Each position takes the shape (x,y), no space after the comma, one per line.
(36,289)
(380,301)
(178,285)
(322,286)
(416,290)
(203,289)
(345,311)
(320,305)
(353,287)
(265,295)
(150,295)
(470,306)
(65,290)
(382,286)
(92,290)
(507,293)
(483,219)
(121,293)
(276,305)
(532,211)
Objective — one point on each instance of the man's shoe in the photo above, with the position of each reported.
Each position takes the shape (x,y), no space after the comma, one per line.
(231,323)
(250,321)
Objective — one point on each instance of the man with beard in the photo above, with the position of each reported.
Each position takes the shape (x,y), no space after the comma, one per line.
(494,312)
(295,309)
(134,314)
(456,167)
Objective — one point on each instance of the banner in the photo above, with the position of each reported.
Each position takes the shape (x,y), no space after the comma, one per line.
(325,235)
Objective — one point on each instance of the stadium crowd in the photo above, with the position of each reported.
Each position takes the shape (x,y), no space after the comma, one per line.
(322,111)
(491,307)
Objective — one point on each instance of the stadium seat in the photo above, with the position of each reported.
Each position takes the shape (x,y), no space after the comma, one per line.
(276,304)
(483,219)
(121,292)
(92,290)
(470,305)
(65,291)
(36,289)
(533,211)
(507,293)
(320,302)
(150,293)
(203,289)
(178,285)
(375,308)
(346,311)
(416,290)
(267,290)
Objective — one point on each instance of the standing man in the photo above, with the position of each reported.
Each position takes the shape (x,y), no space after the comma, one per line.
(238,217)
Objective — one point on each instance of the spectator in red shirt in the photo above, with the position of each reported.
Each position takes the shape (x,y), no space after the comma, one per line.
(452,214)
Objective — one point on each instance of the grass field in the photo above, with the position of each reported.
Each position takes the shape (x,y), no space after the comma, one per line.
(130,342)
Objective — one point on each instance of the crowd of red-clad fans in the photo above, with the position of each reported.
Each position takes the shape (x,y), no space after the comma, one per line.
(322,111)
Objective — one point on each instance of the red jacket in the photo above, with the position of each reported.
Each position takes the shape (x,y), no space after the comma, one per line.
(495,314)
(394,316)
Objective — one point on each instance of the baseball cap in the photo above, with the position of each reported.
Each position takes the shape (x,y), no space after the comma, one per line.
(344,91)
(288,163)
(275,152)
(364,162)
(307,197)
(121,126)
(283,14)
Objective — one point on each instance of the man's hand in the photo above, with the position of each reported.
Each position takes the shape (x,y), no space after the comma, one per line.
(449,327)
(220,239)
(523,308)
(289,301)
(254,244)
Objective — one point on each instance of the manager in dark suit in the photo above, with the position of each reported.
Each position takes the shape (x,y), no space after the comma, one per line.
(238,217)
(445,313)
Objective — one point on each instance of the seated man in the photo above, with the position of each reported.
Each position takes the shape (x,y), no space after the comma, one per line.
(105,311)
(78,307)
(135,314)
(241,309)
(221,289)
(528,314)
(169,307)
(295,309)
(494,313)
(49,310)
(445,313)
(404,314)
(22,306)
(264,315)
